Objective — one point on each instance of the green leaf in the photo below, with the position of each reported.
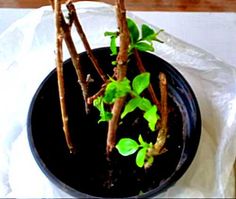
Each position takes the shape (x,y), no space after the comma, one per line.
(123,87)
(141,82)
(161,30)
(133,30)
(145,104)
(149,35)
(111,34)
(140,139)
(116,89)
(158,40)
(114,63)
(110,92)
(147,31)
(131,106)
(127,146)
(104,115)
(150,160)
(143,46)
(113,46)
(151,38)
(140,158)
(98,102)
(142,142)
(151,116)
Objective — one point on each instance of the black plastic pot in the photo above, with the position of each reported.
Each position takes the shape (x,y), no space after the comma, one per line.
(88,173)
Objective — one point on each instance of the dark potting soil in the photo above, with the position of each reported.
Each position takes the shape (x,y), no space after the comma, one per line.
(88,171)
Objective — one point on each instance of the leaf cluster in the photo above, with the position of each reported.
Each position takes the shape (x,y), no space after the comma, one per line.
(116,89)
(139,84)
(128,146)
(141,40)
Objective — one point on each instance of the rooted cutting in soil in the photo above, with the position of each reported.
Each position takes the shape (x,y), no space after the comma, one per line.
(88,170)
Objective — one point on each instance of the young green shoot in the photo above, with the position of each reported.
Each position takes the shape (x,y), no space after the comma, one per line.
(128,146)
(113,36)
(139,84)
(141,40)
(116,89)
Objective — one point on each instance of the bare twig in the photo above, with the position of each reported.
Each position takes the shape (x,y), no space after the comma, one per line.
(161,138)
(162,134)
(75,60)
(103,88)
(122,58)
(83,37)
(164,104)
(74,56)
(60,78)
(150,88)
(96,95)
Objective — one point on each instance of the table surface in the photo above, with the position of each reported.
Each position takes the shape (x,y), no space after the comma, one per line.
(154,5)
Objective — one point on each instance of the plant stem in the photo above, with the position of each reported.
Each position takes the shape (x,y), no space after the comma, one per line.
(74,56)
(164,96)
(161,138)
(78,69)
(103,88)
(150,87)
(162,133)
(96,95)
(83,37)
(122,58)
(60,77)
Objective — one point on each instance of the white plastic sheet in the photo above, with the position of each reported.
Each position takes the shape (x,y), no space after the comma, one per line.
(27,56)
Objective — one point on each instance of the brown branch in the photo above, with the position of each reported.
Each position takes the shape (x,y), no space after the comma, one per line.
(161,138)
(83,37)
(74,56)
(150,88)
(60,78)
(103,88)
(52,4)
(164,96)
(96,95)
(162,134)
(122,58)
(76,62)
